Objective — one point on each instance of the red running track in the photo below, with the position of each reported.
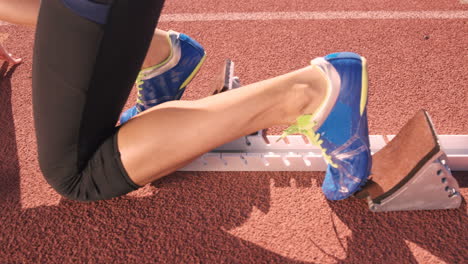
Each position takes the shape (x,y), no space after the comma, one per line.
(261,217)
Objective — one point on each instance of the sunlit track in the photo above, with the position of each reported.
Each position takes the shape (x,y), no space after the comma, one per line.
(417,60)
(313,16)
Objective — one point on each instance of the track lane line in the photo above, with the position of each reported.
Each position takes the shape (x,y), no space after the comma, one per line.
(194,17)
(188,17)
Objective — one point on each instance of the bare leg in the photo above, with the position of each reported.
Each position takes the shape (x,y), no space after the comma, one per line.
(159,50)
(25,12)
(22,12)
(164,138)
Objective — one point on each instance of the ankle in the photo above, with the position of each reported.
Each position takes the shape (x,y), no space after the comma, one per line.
(159,50)
(306,93)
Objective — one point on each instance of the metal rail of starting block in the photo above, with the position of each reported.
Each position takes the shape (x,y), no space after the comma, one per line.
(410,170)
(260,152)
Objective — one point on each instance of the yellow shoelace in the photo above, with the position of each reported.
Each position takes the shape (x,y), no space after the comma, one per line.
(305,125)
(139,82)
(141,75)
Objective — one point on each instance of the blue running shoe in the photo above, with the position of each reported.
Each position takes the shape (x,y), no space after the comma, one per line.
(167,80)
(339,126)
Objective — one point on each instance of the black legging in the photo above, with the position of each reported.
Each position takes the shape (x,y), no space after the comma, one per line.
(86,57)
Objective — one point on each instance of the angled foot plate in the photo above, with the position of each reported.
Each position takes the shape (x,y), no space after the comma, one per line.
(412,172)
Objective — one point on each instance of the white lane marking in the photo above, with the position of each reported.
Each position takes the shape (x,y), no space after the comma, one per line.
(191,17)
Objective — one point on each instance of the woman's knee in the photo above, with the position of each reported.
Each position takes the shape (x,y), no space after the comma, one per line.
(101,177)
(87,187)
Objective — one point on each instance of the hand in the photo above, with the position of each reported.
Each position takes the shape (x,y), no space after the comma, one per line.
(4,55)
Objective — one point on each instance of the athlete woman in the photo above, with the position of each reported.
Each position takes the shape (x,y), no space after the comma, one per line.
(87,55)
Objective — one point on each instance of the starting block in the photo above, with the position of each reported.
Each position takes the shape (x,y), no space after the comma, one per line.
(410,171)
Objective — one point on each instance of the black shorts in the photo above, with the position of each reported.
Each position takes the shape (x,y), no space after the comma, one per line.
(87,55)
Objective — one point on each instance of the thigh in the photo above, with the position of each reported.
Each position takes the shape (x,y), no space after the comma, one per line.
(86,58)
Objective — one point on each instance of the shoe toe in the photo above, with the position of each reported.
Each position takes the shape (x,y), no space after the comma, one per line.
(342,182)
(127,115)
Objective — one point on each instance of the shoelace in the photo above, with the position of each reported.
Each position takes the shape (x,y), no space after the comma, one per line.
(143,74)
(139,82)
(305,125)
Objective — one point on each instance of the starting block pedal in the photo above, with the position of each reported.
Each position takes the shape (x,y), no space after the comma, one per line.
(411,172)
(226,78)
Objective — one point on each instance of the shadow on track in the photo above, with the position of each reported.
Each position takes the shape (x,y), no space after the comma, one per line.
(386,237)
(9,167)
(183,221)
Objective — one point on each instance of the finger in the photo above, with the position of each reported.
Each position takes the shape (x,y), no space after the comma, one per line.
(12,60)
(16,61)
